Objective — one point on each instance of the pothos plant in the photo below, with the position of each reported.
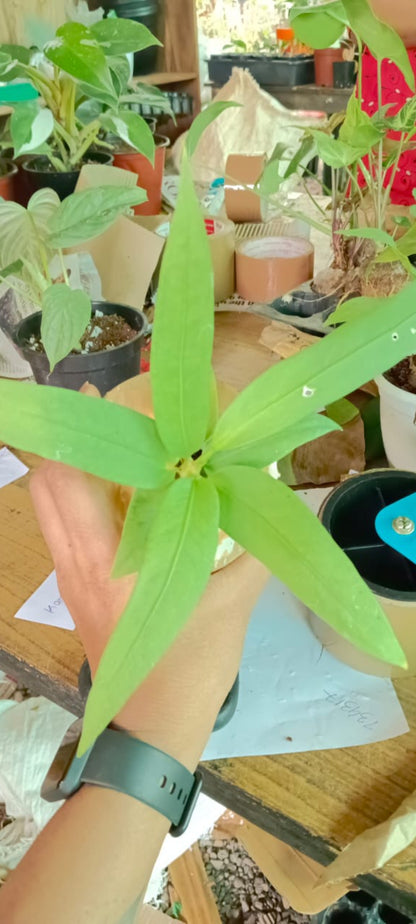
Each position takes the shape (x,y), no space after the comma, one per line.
(363,151)
(30,239)
(195,470)
(84,69)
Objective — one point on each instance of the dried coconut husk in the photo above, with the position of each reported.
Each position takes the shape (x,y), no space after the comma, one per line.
(384,279)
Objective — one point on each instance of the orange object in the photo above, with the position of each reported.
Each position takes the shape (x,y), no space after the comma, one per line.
(148,177)
(284,34)
(268,267)
(7,181)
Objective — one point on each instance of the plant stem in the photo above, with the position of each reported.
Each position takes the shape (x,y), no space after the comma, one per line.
(380,210)
(394,171)
(89,138)
(62,262)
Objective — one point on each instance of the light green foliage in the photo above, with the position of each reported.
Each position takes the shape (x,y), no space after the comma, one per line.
(179,557)
(101,438)
(65,315)
(290,391)
(184,329)
(86,214)
(30,127)
(142,511)
(380,38)
(318,26)
(30,237)
(267,519)
(180,461)
(88,71)
(203,120)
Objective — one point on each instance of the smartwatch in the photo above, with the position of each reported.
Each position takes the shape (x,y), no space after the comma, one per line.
(118,761)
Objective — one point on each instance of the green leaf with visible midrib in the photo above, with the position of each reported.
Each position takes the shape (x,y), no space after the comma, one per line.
(321,26)
(76,52)
(183,329)
(277,446)
(382,40)
(268,520)
(94,435)
(65,315)
(143,509)
(330,369)
(84,215)
(179,557)
(121,36)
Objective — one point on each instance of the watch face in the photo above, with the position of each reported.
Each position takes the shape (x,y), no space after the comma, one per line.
(61,763)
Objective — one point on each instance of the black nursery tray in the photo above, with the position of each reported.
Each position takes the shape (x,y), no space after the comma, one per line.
(268,70)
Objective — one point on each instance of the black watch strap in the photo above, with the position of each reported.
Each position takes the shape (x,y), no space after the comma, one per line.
(118,761)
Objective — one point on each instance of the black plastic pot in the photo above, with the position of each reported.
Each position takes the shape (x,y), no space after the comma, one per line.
(268,70)
(105,370)
(344,74)
(146,12)
(349,515)
(38,175)
(304,302)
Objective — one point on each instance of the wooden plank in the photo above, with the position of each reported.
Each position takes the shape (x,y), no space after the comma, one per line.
(14,14)
(149,915)
(166,77)
(308,97)
(190,881)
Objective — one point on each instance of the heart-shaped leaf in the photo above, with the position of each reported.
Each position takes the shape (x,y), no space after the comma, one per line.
(122,36)
(86,214)
(319,26)
(92,434)
(382,40)
(181,544)
(133,129)
(76,52)
(268,520)
(65,315)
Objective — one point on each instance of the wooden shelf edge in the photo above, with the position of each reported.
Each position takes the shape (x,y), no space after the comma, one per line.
(158,79)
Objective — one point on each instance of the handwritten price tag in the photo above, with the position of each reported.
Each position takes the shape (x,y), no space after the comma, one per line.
(46,607)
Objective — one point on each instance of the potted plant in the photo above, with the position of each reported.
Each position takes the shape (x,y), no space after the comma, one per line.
(364,158)
(68,341)
(194,470)
(260,58)
(82,77)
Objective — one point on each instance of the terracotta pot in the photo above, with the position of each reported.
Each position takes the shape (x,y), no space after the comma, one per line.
(148,177)
(136,393)
(348,513)
(7,179)
(324,60)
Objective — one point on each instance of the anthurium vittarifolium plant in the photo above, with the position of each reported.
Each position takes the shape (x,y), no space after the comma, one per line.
(194,471)
(30,238)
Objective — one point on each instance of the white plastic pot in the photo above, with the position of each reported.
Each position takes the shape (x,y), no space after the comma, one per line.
(398,424)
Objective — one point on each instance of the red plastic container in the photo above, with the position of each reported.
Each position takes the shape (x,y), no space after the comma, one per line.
(148,177)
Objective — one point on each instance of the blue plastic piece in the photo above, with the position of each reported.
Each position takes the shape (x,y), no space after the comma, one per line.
(17,93)
(404,543)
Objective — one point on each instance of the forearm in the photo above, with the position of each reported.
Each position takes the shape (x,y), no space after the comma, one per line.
(96,855)
(401,15)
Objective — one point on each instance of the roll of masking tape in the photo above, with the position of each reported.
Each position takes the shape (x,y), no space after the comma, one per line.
(268,267)
(221,239)
(242,172)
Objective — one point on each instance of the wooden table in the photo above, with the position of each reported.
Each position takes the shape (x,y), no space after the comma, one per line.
(316,801)
(308,97)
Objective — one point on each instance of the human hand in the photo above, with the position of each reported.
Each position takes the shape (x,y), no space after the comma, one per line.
(82,522)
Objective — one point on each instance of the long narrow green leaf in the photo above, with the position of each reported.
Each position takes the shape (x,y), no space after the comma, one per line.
(184,329)
(88,433)
(143,509)
(203,120)
(382,40)
(328,370)
(268,520)
(179,557)
(276,446)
